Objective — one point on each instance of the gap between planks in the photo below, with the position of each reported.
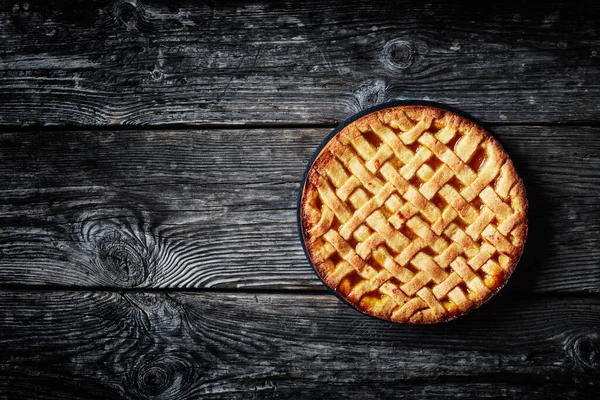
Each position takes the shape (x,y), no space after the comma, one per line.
(299,292)
(251,126)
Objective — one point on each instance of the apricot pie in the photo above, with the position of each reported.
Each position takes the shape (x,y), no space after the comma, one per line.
(413,214)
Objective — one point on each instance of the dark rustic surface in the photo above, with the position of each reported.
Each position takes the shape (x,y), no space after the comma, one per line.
(231,345)
(178,62)
(161,259)
(94,209)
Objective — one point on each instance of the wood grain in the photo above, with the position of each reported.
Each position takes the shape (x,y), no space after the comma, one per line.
(98,345)
(216,208)
(113,62)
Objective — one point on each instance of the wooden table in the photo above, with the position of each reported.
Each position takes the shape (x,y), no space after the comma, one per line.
(150,158)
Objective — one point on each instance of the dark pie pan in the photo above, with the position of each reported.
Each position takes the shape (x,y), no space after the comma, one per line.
(326,140)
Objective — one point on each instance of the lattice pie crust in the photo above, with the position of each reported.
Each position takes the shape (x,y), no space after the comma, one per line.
(414,214)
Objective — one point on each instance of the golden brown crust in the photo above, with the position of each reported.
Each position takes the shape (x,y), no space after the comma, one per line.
(414,214)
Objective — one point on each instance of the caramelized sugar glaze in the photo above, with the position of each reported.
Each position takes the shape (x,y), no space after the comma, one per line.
(414,214)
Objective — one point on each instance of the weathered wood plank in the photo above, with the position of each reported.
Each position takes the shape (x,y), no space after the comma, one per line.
(216,208)
(90,345)
(155,63)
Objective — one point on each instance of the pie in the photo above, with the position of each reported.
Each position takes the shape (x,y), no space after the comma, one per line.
(413,214)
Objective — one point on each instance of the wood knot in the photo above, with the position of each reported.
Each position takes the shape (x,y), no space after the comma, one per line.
(584,350)
(122,260)
(168,375)
(153,380)
(370,93)
(21,7)
(117,250)
(129,15)
(399,53)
